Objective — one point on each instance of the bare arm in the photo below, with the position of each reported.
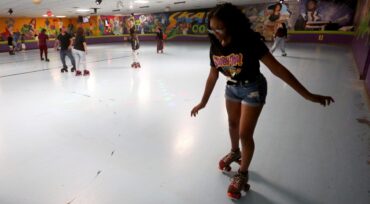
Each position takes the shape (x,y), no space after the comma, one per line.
(85,46)
(283,73)
(70,43)
(211,82)
(56,45)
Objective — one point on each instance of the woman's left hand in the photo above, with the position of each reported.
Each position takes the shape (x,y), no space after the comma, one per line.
(323,100)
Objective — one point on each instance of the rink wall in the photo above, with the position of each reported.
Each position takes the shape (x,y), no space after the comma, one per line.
(361,41)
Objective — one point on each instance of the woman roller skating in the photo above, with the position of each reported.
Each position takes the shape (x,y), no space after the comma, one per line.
(235,52)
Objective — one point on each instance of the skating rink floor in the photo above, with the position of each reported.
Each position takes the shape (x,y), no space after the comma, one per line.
(125,136)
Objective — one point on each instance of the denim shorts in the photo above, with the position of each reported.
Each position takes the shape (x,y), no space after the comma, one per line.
(253,93)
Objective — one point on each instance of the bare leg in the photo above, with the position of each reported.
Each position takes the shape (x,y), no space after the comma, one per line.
(233,112)
(248,120)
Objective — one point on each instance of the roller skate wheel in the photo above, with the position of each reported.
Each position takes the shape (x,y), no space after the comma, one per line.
(234,196)
(247,187)
(227,168)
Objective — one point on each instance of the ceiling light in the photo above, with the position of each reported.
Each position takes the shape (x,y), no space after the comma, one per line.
(141,1)
(179,2)
(83,10)
(60,16)
(98,2)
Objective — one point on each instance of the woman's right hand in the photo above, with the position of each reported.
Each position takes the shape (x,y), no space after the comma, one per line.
(194,111)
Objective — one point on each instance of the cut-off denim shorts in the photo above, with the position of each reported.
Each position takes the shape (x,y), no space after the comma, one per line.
(249,93)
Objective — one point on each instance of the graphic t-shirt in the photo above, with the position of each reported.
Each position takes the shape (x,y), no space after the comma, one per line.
(239,61)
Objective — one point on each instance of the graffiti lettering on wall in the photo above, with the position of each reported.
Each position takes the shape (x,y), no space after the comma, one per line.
(187,23)
(177,23)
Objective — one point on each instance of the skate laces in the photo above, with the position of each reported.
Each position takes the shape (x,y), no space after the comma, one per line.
(239,180)
(232,156)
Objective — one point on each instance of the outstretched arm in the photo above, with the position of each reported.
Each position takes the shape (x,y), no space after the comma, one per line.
(280,71)
(211,82)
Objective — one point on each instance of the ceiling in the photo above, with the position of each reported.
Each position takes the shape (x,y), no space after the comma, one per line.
(26,8)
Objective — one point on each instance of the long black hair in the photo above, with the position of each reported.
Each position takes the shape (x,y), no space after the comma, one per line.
(237,25)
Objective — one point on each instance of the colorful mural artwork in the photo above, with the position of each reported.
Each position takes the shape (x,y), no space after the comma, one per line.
(305,15)
(110,25)
(176,23)
(266,18)
(326,15)
(30,27)
(362,19)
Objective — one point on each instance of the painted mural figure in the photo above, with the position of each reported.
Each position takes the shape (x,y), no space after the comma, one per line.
(117,27)
(312,14)
(275,15)
(236,51)
(306,19)
(32,27)
(274,18)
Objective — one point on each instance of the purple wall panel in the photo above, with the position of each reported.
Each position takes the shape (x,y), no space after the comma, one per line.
(360,53)
(326,38)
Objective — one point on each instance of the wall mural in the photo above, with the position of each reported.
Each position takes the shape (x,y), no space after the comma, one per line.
(305,15)
(110,25)
(325,15)
(362,19)
(175,23)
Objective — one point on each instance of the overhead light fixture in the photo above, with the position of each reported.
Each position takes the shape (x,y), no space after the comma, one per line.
(131,6)
(95,10)
(141,1)
(10,11)
(60,16)
(83,10)
(179,2)
(98,2)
